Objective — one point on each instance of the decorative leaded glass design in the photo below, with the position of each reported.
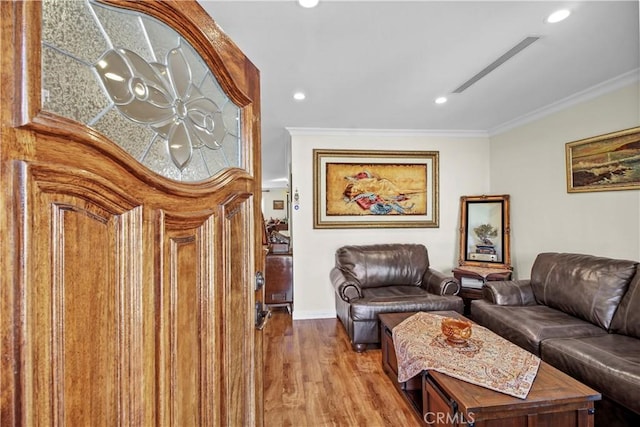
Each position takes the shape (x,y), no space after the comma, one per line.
(141,84)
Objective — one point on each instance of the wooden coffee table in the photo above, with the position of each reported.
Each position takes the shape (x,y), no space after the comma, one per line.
(555,399)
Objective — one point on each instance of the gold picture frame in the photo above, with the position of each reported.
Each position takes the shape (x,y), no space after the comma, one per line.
(383,189)
(485,231)
(604,163)
(278,205)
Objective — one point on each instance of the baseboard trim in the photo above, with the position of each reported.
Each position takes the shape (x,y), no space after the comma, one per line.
(302,315)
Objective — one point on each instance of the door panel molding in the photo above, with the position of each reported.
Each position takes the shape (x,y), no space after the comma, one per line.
(64,295)
(188,363)
(81,140)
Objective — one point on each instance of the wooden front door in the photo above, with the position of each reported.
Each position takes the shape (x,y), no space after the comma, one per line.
(127,297)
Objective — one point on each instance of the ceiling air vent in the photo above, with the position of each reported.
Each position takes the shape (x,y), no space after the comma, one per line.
(495,64)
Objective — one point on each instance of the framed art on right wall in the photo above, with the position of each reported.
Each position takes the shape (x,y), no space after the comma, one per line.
(604,163)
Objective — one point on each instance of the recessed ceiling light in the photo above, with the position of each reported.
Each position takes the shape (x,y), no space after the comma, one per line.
(441,100)
(299,96)
(558,15)
(308,3)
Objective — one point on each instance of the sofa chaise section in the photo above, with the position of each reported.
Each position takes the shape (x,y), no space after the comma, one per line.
(580,313)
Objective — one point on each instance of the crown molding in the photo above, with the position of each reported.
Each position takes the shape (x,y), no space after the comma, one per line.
(297,131)
(600,89)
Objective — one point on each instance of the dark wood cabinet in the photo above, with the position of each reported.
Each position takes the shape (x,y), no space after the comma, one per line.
(472,279)
(279,280)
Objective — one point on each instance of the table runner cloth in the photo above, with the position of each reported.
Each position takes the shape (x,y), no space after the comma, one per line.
(487,360)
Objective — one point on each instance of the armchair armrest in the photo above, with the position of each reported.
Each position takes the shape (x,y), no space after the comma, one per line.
(439,283)
(509,292)
(347,286)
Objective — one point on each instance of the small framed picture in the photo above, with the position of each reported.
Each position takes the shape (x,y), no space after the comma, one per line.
(278,204)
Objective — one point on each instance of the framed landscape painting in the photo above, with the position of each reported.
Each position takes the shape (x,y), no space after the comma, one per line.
(386,189)
(605,162)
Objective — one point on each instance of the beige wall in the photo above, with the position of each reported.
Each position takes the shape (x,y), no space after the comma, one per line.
(268,196)
(529,164)
(463,171)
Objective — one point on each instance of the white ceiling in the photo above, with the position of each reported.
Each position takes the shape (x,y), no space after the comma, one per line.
(381,64)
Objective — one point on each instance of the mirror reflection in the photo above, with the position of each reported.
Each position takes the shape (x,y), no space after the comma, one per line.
(484,231)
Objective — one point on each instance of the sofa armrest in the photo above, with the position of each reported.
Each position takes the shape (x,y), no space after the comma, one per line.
(509,292)
(439,283)
(346,286)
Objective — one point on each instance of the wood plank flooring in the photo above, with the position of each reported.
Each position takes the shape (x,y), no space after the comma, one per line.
(313,378)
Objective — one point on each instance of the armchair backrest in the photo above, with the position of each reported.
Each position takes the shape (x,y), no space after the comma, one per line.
(384,264)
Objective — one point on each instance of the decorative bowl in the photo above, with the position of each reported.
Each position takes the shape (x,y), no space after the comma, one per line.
(456,331)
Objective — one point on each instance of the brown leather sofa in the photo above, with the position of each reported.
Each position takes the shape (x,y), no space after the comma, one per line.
(581,314)
(386,278)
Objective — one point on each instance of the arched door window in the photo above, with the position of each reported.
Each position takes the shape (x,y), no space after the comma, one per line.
(142,85)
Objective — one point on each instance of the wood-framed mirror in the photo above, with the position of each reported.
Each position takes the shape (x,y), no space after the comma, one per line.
(485,231)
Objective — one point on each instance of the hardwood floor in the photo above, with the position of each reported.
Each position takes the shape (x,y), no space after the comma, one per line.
(313,378)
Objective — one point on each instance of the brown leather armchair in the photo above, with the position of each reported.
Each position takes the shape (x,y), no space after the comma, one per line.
(386,278)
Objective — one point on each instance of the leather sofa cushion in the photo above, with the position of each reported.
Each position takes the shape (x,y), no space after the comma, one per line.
(585,286)
(384,264)
(527,326)
(394,299)
(609,363)
(626,321)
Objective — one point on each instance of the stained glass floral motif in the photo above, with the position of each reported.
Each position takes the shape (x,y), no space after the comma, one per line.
(142,85)
(163,97)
